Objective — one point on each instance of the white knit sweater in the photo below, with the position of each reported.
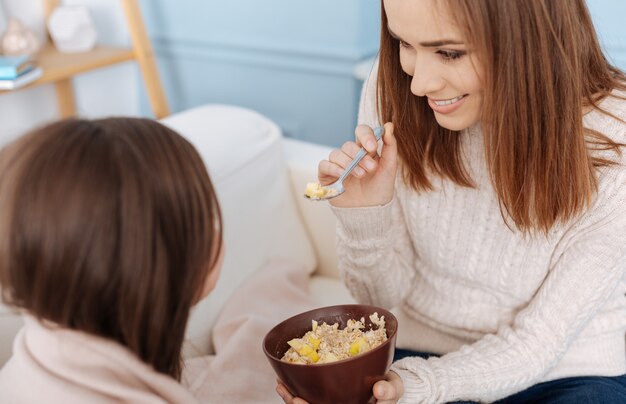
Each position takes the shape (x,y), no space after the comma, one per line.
(507,310)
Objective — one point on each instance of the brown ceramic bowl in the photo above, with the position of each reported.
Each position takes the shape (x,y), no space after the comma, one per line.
(348,381)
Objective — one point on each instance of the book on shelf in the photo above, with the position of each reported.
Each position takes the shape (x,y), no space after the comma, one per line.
(11,67)
(21,80)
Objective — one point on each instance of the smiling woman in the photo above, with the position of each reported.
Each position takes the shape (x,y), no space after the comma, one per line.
(437,59)
(493,217)
(490,64)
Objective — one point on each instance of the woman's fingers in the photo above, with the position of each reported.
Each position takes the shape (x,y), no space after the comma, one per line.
(350,149)
(344,157)
(384,391)
(283,393)
(339,159)
(286,395)
(390,146)
(365,137)
(367,163)
(390,390)
(328,171)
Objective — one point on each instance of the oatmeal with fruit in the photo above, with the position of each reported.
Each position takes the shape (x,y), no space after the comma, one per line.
(327,343)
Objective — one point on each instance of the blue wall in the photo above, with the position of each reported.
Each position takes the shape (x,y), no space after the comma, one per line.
(291,60)
(609,17)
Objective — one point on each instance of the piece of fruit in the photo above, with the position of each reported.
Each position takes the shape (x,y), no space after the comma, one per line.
(359,346)
(314,342)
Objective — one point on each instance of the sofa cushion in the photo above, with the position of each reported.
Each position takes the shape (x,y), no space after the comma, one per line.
(10,324)
(243,152)
(320,222)
(329,291)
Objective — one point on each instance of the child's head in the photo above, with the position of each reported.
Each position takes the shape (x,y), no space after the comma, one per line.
(111,227)
(524,69)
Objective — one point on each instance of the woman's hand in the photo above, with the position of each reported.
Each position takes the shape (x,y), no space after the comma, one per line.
(371,183)
(390,390)
(282,391)
(386,391)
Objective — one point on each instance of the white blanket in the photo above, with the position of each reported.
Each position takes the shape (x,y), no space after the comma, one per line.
(239,371)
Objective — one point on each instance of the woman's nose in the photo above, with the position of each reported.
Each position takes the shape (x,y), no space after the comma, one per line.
(427,79)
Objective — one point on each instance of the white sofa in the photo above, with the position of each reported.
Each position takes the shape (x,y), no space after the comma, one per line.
(259,177)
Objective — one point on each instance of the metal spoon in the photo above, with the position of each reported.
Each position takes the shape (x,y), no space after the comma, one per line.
(325,192)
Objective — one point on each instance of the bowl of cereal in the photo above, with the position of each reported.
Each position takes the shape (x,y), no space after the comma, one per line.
(333,354)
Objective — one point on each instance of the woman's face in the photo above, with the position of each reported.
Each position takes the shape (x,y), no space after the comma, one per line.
(435,53)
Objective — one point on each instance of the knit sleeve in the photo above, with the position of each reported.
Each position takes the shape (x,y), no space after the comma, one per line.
(588,266)
(376,257)
(368,109)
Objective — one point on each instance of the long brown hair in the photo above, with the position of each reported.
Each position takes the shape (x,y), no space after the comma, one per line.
(109,227)
(543,65)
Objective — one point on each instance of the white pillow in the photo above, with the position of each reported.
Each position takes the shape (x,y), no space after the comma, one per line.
(243,152)
(10,324)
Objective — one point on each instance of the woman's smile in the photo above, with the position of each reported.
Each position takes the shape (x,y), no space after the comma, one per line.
(446,106)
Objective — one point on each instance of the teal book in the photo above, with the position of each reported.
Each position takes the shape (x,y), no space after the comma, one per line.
(21,80)
(13,66)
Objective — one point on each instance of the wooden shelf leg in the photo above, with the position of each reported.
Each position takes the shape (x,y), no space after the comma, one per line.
(65,98)
(146,59)
(49,6)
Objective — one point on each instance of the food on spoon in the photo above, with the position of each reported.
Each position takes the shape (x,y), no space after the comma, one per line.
(315,190)
(327,343)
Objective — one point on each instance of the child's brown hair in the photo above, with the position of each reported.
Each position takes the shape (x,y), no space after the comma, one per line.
(109,227)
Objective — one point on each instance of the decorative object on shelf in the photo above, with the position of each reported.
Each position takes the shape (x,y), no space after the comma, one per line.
(17,71)
(72,29)
(3,21)
(13,66)
(18,39)
(59,68)
(22,79)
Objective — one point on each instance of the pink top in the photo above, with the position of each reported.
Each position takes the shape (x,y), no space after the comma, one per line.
(57,365)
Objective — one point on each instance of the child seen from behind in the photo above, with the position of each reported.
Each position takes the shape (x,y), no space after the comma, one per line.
(110,231)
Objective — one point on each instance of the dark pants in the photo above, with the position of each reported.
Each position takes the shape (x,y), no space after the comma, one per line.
(584,389)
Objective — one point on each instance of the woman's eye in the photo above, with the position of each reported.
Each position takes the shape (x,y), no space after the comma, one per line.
(448,55)
(404,44)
